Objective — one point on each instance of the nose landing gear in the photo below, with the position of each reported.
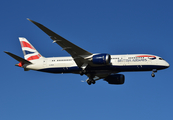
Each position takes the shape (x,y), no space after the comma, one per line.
(153,75)
(154,71)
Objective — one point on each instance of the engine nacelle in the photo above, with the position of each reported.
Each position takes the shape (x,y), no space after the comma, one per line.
(101,59)
(117,79)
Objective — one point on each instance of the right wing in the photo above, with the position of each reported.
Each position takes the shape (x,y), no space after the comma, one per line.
(76,52)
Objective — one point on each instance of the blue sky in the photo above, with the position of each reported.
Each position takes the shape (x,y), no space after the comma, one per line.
(114,27)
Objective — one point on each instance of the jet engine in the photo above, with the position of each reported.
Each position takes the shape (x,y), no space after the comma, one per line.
(116,79)
(101,59)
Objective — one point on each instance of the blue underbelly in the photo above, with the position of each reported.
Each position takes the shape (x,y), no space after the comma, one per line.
(109,68)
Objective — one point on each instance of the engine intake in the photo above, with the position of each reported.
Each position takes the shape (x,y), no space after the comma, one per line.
(116,79)
(101,59)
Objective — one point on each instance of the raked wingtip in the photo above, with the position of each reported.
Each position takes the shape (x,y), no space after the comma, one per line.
(28,19)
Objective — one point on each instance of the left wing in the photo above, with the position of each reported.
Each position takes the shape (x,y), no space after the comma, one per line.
(76,52)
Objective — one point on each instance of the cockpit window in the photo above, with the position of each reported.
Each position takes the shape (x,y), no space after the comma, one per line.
(161,59)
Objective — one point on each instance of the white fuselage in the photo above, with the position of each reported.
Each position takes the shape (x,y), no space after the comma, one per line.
(119,63)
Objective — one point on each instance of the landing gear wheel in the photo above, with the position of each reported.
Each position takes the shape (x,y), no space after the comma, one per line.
(93,81)
(89,82)
(153,75)
(154,71)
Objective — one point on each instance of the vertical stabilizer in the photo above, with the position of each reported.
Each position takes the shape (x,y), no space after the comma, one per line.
(30,53)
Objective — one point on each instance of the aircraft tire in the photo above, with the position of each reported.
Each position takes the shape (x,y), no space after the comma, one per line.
(89,82)
(93,81)
(153,75)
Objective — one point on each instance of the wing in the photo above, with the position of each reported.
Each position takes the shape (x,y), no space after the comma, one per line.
(76,52)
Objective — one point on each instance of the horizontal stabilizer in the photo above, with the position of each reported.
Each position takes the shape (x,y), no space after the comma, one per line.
(18,58)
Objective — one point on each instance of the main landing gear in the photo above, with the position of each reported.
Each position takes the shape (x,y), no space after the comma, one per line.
(90,81)
(154,71)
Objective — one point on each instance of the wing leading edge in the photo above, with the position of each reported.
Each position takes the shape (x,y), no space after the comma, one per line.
(76,52)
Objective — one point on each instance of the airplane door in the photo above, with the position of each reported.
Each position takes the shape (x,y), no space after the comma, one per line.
(44,63)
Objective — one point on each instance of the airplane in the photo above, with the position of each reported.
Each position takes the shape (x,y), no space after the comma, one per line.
(95,66)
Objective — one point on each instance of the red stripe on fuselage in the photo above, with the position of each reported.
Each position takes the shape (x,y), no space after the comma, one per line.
(146,56)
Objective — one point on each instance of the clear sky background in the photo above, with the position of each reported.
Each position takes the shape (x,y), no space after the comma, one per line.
(105,26)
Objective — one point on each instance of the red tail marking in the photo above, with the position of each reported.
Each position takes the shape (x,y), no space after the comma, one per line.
(25,44)
(34,57)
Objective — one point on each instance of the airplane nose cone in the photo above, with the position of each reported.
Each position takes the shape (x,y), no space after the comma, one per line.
(167,64)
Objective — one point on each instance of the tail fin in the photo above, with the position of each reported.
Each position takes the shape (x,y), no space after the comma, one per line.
(30,53)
